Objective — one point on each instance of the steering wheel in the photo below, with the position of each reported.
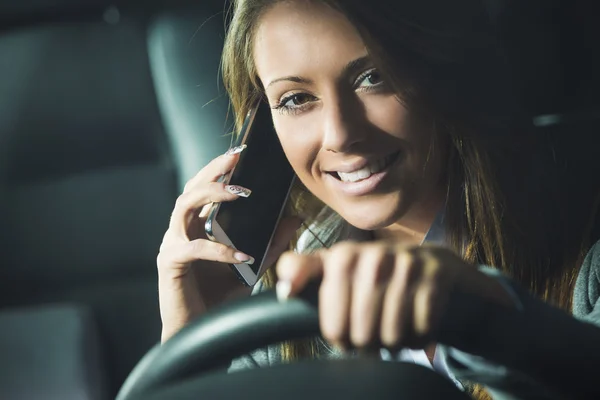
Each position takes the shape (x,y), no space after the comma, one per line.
(192,363)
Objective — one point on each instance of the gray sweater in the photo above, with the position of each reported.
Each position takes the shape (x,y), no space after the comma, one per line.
(549,351)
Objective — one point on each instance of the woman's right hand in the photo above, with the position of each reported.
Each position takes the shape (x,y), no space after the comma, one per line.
(193,271)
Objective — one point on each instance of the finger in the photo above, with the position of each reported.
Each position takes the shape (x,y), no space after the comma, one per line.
(294,271)
(398,300)
(424,302)
(184,253)
(430,300)
(281,238)
(215,168)
(188,203)
(374,268)
(335,294)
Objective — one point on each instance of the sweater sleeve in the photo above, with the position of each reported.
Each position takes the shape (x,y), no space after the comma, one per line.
(536,351)
(586,298)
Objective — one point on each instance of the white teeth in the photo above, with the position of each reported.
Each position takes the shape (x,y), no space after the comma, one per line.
(373,168)
(364,173)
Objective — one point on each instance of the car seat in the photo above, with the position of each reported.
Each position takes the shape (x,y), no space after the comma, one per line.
(90,168)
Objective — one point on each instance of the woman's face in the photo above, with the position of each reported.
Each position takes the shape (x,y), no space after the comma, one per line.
(346,134)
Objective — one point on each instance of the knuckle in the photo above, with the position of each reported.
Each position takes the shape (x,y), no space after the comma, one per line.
(409,265)
(414,256)
(343,248)
(222,163)
(288,264)
(188,186)
(401,277)
(341,258)
(376,254)
(288,258)
(222,250)
(374,267)
(220,159)
(218,188)
(182,201)
(431,266)
(163,244)
(410,258)
(164,259)
(215,186)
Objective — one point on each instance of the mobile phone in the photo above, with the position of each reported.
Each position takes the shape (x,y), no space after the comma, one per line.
(248,224)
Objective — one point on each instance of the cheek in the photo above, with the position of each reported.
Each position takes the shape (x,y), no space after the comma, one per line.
(388,115)
(300,142)
(415,134)
(422,167)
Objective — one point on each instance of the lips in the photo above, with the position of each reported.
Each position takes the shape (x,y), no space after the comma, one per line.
(364,172)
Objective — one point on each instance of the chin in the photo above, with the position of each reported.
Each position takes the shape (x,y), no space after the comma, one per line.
(371,222)
(374,215)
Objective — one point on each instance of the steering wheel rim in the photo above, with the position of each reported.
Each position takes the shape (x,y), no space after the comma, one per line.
(355,378)
(235,329)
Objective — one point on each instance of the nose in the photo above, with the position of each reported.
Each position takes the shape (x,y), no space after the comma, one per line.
(343,130)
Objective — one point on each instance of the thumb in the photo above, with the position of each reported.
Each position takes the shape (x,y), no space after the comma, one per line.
(281,239)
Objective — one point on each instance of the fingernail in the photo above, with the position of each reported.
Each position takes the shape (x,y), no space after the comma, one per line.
(235,150)
(238,190)
(283,289)
(245,258)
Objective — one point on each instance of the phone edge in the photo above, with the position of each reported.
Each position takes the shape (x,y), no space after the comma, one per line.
(262,268)
(210,223)
(243,271)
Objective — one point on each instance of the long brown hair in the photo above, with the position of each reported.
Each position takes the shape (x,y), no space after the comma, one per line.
(500,211)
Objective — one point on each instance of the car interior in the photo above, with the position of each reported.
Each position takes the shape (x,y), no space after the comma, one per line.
(97,136)
(106,109)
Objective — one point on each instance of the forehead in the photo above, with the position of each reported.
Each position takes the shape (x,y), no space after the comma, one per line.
(298,37)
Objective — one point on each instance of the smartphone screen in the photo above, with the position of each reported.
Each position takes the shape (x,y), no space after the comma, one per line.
(249,223)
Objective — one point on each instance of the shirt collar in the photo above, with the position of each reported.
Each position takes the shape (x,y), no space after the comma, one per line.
(437,232)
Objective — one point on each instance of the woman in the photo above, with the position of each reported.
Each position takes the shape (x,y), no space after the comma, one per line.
(380,111)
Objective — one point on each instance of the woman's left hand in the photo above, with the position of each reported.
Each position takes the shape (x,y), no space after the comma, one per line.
(378,294)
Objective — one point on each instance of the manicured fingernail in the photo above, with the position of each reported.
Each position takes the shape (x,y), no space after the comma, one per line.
(283,289)
(245,258)
(235,150)
(238,190)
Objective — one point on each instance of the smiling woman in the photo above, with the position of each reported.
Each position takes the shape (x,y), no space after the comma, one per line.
(351,142)
(390,114)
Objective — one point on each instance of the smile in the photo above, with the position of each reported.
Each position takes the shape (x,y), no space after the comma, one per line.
(366,172)
(365,179)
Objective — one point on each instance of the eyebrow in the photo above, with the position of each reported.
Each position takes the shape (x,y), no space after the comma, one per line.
(349,69)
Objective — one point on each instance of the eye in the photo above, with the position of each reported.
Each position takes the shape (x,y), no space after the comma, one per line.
(295,100)
(369,79)
(294,103)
